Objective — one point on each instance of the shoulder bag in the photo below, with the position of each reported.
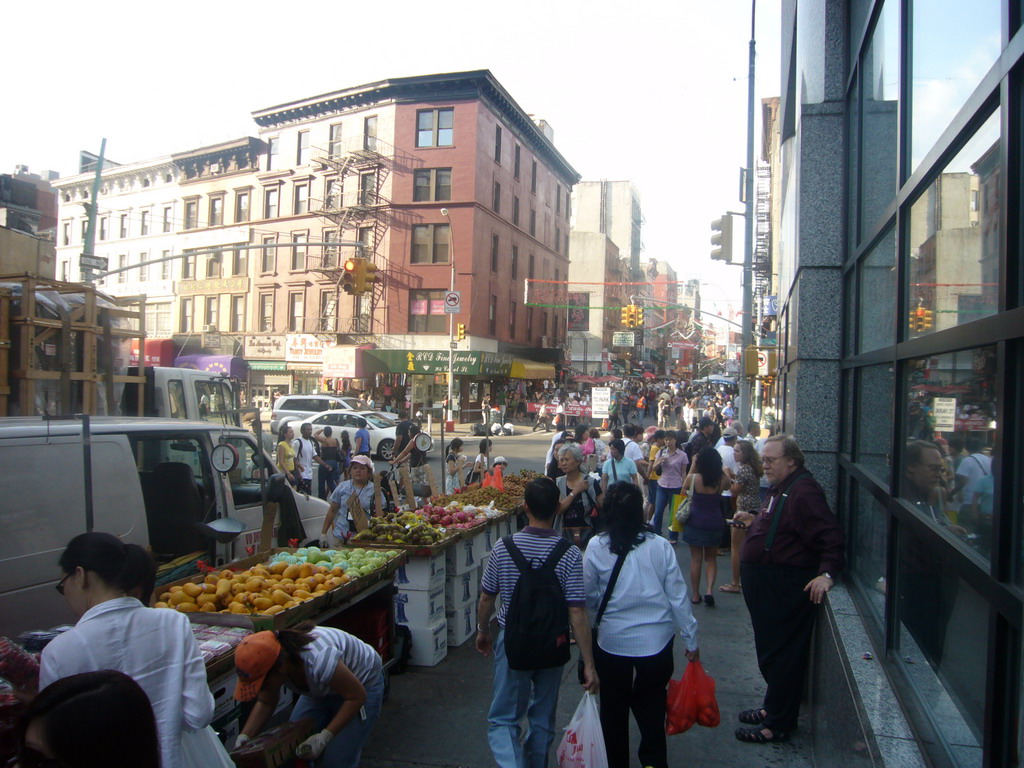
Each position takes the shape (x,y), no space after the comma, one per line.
(600,613)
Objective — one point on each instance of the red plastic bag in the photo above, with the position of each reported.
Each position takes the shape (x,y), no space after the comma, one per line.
(691,699)
(497,480)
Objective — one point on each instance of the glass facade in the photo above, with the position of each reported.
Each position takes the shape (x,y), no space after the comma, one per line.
(931,456)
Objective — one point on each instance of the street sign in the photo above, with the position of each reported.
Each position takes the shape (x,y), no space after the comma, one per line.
(762,362)
(623,339)
(453,302)
(601,400)
(944,409)
(92,262)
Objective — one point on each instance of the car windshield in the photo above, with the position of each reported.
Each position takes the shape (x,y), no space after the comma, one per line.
(377,421)
(351,402)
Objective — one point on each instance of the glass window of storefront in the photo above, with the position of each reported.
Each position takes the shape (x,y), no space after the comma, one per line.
(931,454)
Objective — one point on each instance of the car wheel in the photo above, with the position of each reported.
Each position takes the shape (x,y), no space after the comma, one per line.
(386,449)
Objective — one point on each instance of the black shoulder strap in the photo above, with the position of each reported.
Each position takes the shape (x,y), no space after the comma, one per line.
(608,590)
(517,556)
(561,547)
(778,510)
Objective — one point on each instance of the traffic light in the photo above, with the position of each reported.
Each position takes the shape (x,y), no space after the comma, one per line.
(460,331)
(627,315)
(349,280)
(927,320)
(918,319)
(721,239)
(369,275)
(638,317)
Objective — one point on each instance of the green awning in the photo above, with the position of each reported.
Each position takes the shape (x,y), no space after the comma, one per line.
(431,361)
(268,365)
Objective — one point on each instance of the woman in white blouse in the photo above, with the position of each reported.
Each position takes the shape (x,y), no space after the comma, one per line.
(647,605)
(153,646)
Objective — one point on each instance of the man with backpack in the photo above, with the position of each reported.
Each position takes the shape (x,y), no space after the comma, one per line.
(540,576)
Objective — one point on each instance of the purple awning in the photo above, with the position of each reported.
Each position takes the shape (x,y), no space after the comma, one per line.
(228,365)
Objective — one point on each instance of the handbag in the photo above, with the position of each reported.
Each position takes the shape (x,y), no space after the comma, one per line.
(600,612)
(684,509)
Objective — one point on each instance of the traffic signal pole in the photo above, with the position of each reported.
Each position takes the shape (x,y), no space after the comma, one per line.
(748,239)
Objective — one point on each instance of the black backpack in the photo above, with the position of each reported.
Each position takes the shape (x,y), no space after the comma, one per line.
(537,620)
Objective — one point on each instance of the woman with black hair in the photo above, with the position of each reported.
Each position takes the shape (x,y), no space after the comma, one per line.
(338,678)
(482,462)
(87,720)
(455,464)
(703,529)
(104,582)
(637,574)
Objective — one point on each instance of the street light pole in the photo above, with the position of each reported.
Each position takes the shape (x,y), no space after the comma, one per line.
(748,250)
(451,324)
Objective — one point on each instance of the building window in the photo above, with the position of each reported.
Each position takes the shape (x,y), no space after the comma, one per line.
(533,176)
(216,211)
(370,133)
(494,253)
(492,316)
(85,229)
(122,262)
(533,222)
(426,312)
(104,221)
(330,252)
(432,184)
(65,233)
(124,226)
(266,312)
(270,198)
(241,206)
(515,210)
(328,311)
(240,262)
(435,127)
(143,267)
(158,320)
(268,260)
(515,261)
(299,250)
(210,316)
(365,236)
(165,266)
(144,223)
(332,194)
(187,306)
(558,240)
(191,214)
(368,188)
(213,265)
(529,268)
(273,147)
(65,270)
(568,204)
(188,267)
(515,161)
(302,148)
(296,311)
(497,144)
(166,221)
(558,198)
(334,141)
(301,201)
(496,198)
(511,317)
(430,244)
(237,313)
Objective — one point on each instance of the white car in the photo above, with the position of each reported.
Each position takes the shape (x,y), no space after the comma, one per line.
(382,431)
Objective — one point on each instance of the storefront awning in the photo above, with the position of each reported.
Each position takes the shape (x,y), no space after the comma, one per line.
(527,369)
(228,365)
(431,362)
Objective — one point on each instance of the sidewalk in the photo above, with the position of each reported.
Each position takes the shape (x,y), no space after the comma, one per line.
(438,716)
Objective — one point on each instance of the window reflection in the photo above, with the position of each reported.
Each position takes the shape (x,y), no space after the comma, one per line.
(950,427)
(954,45)
(954,239)
(878,287)
(881,81)
(868,548)
(874,420)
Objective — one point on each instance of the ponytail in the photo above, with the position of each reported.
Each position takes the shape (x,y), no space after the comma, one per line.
(294,641)
(126,566)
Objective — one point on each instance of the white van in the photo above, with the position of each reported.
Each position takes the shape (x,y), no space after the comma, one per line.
(153,483)
(184,393)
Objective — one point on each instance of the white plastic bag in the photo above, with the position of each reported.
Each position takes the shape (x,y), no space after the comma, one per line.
(582,745)
(202,749)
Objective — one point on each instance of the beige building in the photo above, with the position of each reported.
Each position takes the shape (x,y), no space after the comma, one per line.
(23,252)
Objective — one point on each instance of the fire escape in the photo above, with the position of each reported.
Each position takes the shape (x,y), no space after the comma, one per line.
(355,205)
(762,240)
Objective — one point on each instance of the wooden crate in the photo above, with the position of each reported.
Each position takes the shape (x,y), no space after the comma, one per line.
(69,361)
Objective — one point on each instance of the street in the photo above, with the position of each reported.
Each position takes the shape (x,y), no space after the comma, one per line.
(438,716)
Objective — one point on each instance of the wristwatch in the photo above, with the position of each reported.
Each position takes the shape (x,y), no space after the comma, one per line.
(827,575)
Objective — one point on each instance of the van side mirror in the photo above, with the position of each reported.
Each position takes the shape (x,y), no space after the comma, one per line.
(276,487)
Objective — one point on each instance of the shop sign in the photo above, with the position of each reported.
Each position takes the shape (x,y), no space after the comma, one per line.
(340,363)
(944,409)
(303,348)
(683,344)
(434,361)
(213,285)
(623,339)
(601,400)
(976,422)
(264,346)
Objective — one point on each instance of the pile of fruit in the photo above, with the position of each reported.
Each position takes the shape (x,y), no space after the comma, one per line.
(453,516)
(476,496)
(269,589)
(402,528)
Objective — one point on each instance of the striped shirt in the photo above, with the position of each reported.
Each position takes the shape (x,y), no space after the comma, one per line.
(649,601)
(501,574)
(321,658)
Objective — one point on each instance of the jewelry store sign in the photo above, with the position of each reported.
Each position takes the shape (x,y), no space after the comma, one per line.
(303,348)
(264,346)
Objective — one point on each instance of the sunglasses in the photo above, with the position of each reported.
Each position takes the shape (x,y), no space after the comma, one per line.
(31,758)
(60,584)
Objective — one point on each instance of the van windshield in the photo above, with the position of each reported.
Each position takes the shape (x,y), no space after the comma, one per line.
(216,399)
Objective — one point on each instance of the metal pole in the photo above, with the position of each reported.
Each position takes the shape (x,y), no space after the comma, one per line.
(89,246)
(451,317)
(87,474)
(748,249)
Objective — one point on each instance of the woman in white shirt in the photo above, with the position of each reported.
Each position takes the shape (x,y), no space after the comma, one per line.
(481,464)
(153,646)
(339,680)
(648,603)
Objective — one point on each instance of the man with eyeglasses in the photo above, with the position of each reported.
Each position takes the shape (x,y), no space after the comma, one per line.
(923,468)
(788,562)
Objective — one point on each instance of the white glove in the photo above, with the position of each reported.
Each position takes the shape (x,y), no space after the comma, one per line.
(240,740)
(311,748)
(322,541)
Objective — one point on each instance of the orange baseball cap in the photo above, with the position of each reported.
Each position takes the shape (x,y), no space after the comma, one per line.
(255,656)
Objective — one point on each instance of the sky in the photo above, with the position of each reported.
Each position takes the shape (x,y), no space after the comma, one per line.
(653,91)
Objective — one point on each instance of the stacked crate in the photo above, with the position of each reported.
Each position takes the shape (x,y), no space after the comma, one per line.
(420,605)
(462,587)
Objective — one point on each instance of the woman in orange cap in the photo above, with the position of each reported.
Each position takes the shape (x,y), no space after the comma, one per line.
(339,680)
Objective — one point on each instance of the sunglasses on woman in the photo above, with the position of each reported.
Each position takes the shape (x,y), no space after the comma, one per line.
(60,585)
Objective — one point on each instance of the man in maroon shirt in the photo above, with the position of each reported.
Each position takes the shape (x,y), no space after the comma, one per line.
(792,553)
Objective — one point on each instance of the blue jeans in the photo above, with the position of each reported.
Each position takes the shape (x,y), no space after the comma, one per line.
(345,749)
(664,498)
(327,481)
(518,693)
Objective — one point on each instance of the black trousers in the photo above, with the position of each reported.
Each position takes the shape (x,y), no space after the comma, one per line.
(638,684)
(782,616)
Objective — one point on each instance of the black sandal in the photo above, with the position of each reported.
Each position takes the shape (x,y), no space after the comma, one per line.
(756,735)
(752,716)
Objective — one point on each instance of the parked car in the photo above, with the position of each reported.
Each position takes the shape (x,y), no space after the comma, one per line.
(382,431)
(289,408)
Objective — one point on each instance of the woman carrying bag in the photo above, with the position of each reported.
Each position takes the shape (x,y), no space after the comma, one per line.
(577,493)
(635,588)
(455,464)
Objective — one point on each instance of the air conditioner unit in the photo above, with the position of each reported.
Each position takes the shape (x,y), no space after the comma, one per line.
(209,329)
(214,167)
